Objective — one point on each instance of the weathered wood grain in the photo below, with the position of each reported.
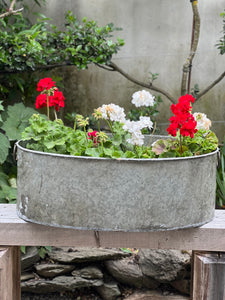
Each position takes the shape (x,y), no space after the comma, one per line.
(209,276)
(10,273)
(14,231)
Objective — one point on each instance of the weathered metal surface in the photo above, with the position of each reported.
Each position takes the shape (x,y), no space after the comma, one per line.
(120,194)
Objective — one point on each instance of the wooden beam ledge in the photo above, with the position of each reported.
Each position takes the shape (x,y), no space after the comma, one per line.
(15,232)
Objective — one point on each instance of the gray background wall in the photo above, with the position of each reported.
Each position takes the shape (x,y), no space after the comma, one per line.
(157,37)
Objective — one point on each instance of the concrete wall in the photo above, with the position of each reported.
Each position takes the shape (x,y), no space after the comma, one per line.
(157,34)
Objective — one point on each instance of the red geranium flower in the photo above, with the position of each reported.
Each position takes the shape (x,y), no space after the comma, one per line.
(50,95)
(45,84)
(41,101)
(93,136)
(92,133)
(189,128)
(58,100)
(182,120)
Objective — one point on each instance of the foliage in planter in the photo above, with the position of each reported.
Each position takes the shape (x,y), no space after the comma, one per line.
(127,140)
(133,115)
(13,121)
(55,137)
(220,179)
(202,142)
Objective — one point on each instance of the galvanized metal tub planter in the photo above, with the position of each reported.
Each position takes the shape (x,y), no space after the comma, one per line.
(119,195)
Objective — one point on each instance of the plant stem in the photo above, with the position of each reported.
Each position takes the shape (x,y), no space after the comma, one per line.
(135,147)
(110,125)
(55,115)
(102,146)
(47,107)
(85,131)
(181,149)
(150,139)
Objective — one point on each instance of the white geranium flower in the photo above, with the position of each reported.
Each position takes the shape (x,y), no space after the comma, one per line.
(142,98)
(134,128)
(131,126)
(112,112)
(146,122)
(136,139)
(202,121)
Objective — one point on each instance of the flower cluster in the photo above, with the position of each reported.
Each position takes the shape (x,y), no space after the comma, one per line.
(202,121)
(112,112)
(50,95)
(134,128)
(126,139)
(45,84)
(115,113)
(142,98)
(183,120)
(92,135)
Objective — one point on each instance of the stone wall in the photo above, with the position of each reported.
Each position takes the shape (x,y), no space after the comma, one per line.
(111,273)
(157,36)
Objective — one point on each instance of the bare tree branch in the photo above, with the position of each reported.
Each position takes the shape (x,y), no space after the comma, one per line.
(134,80)
(210,86)
(194,44)
(11,11)
(105,68)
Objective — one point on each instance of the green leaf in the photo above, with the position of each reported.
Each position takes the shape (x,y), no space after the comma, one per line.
(108,152)
(129,154)
(117,139)
(78,48)
(220,184)
(3,178)
(222,168)
(4,149)
(160,146)
(126,250)
(94,152)
(50,144)
(48,248)
(8,193)
(3,23)
(1,106)
(23,249)
(12,181)
(17,121)
(42,252)
(117,154)
(219,201)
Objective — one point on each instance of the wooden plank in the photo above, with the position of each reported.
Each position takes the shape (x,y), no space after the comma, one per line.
(14,231)
(10,273)
(208,276)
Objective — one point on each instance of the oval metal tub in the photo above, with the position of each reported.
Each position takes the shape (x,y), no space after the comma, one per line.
(115,194)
